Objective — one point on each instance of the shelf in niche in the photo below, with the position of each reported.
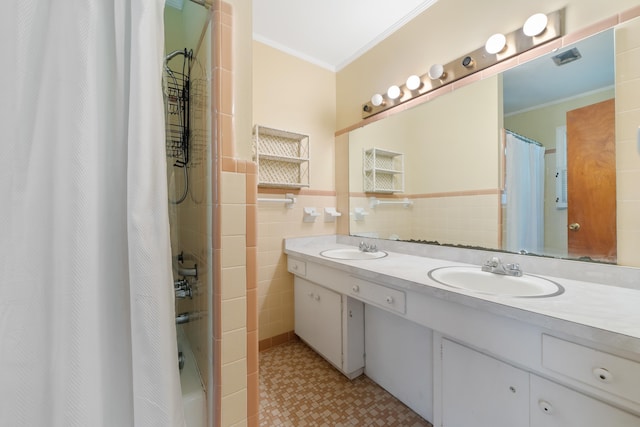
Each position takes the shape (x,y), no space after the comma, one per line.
(282,158)
(383,171)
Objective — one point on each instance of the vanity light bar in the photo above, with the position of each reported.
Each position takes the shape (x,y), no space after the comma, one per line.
(515,43)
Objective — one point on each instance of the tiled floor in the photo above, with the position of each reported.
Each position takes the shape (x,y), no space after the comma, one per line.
(298,388)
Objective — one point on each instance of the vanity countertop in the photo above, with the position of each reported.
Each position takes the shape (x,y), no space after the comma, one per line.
(598,312)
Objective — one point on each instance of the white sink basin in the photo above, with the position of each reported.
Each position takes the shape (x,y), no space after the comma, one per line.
(352,254)
(475,280)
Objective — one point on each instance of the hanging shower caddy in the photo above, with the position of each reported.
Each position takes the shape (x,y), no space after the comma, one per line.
(177,98)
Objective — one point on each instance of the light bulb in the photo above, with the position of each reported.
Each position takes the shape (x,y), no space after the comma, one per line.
(535,25)
(393,92)
(377,100)
(413,82)
(436,72)
(495,43)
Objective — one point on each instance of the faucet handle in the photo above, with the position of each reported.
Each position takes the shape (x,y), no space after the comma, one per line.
(493,262)
(514,269)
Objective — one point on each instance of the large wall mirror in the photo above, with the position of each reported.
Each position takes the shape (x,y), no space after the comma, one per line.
(496,164)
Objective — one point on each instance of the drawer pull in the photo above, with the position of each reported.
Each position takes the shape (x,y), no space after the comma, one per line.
(316,297)
(295,266)
(355,288)
(389,300)
(545,406)
(602,375)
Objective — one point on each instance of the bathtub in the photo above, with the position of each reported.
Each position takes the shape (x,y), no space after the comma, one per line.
(193,397)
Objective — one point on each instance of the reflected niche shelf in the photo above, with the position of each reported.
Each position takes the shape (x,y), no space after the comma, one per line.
(282,158)
(383,171)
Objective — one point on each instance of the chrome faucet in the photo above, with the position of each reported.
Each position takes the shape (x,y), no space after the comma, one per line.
(182,289)
(494,265)
(364,247)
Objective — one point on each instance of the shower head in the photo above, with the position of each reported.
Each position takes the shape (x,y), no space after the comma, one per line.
(174,54)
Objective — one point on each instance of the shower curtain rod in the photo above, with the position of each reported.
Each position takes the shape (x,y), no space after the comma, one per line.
(524,138)
(204,3)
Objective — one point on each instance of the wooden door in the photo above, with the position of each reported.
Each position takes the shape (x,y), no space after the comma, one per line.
(591,182)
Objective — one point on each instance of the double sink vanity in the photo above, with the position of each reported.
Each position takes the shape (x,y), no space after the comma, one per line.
(465,338)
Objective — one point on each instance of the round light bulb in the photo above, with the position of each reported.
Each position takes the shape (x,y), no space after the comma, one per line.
(413,82)
(377,100)
(436,72)
(393,92)
(535,25)
(495,43)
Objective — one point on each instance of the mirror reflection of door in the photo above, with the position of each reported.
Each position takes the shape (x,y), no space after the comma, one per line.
(591,182)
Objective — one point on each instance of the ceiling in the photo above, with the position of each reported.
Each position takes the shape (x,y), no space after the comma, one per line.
(541,81)
(330,33)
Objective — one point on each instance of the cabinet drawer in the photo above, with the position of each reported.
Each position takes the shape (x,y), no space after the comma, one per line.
(296,266)
(382,296)
(604,371)
(553,405)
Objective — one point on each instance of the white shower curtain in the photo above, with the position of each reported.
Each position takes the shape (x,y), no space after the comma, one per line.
(87,322)
(525,195)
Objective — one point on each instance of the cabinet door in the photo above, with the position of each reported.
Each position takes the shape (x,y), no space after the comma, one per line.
(478,390)
(400,358)
(318,319)
(553,405)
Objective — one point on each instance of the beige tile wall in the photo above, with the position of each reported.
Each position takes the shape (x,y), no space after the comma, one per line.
(275,284)
(233,263)
(628,141)
(235,323)
(467,219)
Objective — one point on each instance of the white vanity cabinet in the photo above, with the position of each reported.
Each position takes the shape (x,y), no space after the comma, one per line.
(478,390)
(492,364)
(400,358)
(330,322)
(318,319)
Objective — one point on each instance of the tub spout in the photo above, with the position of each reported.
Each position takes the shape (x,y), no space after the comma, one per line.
(182,318)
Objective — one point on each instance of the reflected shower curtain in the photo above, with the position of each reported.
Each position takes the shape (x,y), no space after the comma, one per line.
(525,195)
(87,322)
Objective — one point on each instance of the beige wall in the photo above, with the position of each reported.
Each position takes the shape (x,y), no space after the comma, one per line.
(292,95)
(444,32)
(451,142)
(242,76)
(452,146)
(540,123)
